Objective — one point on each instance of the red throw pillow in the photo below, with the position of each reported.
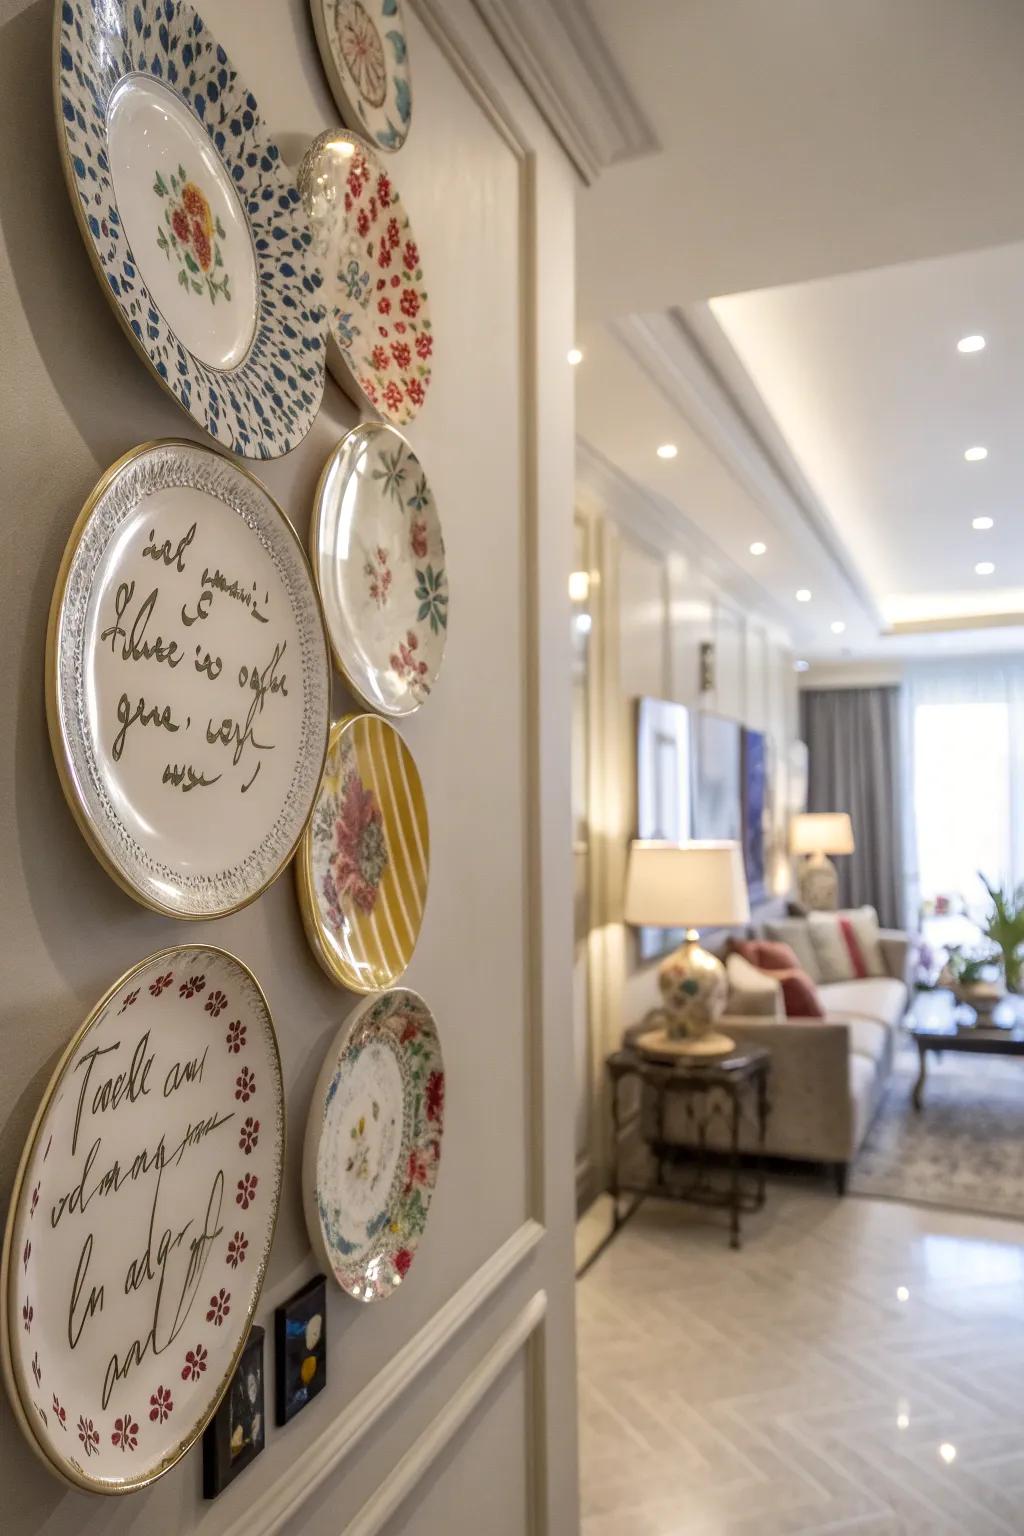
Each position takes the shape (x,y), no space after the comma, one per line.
(748,948)
(773,956)
(799,994)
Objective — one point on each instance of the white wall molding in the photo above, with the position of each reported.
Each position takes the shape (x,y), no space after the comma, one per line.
(686,357)
(564,64)
(664,528)
(425,1450)
(323,1457)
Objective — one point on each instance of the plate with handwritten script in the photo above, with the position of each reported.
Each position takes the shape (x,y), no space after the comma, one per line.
(141,1221)
(378,557)
(188,681)
(373,1144)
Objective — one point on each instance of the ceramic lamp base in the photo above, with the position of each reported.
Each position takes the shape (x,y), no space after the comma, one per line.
(819,884)
(662,1046)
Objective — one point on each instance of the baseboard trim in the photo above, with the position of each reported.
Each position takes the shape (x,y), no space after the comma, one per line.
(309,1470)
(407,1472)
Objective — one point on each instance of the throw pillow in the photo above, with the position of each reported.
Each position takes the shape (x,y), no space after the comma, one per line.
(837,959)
(799,994)
(773,956)
(794,931)
(866,936)
(752,993)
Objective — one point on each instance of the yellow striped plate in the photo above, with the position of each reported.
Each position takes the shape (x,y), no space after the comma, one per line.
(364,858)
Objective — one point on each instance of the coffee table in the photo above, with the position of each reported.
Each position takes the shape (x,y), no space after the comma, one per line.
(939,1023)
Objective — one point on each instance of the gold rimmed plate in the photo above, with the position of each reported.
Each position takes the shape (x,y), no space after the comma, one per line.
(363,862)
(142,1218)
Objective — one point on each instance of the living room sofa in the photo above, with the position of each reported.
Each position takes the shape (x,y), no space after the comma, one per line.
(827,1075)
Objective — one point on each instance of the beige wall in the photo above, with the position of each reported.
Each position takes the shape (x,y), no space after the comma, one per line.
(479,1412)
(656,601)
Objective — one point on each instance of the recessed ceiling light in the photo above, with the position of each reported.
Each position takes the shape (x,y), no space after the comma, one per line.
(903,1421)
(583,623)
(984,568)
(837,627)
(803,595)
(975,455)
(902,1294)
(981,523)
(801,666)
(757,548)
(947,1452)
(971,344)
(574,356)
(667,451)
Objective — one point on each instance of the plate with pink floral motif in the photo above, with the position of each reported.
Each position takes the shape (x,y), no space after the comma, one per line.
(373,1144)
(377,552)
(380,337)
(141,1221)
(364,859)
(366,59)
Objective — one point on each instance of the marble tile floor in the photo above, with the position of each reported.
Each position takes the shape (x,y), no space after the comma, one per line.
(857,1369)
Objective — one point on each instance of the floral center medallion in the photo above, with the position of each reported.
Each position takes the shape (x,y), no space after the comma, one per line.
(184,223)
(362,51)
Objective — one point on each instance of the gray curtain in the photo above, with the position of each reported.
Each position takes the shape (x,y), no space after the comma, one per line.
(853,747)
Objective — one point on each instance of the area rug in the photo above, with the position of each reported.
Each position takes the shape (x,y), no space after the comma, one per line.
(964,1150)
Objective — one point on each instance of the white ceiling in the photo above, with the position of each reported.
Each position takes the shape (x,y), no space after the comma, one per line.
(840,182)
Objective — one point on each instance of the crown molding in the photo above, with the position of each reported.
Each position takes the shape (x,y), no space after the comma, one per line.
(564,64)
(688,357)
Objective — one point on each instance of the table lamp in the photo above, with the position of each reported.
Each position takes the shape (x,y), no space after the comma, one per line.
(676,885)
(817,834)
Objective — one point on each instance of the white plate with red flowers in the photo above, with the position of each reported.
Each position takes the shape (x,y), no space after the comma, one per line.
(366,59)
(378,557)
(373,1144)
(141,1221)
(364,859)
(380,334)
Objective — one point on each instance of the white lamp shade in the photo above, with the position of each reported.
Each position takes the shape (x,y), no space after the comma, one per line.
(686,885)
(821,832)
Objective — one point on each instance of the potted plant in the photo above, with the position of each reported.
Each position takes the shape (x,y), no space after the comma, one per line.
(969,977)
(1005,928)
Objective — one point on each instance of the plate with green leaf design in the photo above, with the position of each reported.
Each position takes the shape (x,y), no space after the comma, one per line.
(379,560)
(373,1143)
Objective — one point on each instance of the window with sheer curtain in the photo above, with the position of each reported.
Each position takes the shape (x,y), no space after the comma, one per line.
(964,782)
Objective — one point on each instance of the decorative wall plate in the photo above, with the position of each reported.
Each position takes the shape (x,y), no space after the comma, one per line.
(381,338)
(187,680)
(193,223)
(373,1143)
(378,558)
(364,858)
(141,1220)
(366,59)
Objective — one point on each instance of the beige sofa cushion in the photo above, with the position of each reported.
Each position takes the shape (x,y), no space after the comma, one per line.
(795,932)
(864,922)
(875,997)
(863,1075)
(834,960)
(868,1038)
(753,993)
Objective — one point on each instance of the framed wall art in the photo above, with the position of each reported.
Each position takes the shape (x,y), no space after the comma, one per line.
(192,221)
(141,1220)
(380,332)
(663,774)
(236,1434)
(373,1144)
(365,53)
(187,680)
(378,557)
(717,781)
(364,860)
(756,812)
(300,1349)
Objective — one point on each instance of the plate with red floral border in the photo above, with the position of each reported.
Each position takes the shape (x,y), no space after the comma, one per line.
(140,1226)
(380,335)
(364,859)
(373,1144)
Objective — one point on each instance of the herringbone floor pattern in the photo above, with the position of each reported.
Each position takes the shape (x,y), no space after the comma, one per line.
(857,1368)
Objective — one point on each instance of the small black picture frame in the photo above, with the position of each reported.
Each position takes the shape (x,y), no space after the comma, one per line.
(236,1434)
(300,1349)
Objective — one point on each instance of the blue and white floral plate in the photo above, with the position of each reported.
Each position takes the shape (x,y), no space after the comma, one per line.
(366,59)
(195,226)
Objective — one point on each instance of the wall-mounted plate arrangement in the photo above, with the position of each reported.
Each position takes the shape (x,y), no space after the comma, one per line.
(382,340)
(364,859)
(378,558)
(366,59)
(141,1220)
(194,225)
(373,1143)
(188,680)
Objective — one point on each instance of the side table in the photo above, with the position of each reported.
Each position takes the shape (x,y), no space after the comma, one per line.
(716,1093)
